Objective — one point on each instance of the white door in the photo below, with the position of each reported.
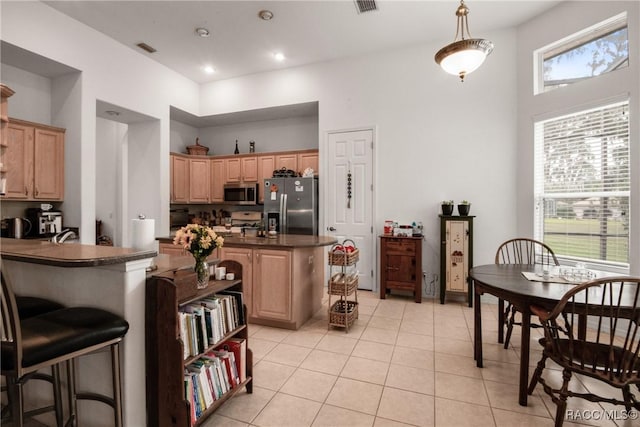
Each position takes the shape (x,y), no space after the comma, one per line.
(349,207)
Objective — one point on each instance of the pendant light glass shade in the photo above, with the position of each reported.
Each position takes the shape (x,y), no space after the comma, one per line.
(463,56)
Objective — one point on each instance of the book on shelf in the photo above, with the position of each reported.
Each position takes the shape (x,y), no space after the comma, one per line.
(239,348)
(238,307)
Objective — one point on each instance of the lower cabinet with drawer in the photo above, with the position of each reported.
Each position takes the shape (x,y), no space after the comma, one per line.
(401,265)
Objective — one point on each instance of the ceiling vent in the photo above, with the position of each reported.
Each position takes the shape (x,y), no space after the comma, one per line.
(366,6)
(146,47)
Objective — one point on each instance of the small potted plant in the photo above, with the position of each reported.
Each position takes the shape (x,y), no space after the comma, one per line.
(447,207)
(463,208)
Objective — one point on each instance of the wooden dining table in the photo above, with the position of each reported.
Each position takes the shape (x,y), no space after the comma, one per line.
(506,281)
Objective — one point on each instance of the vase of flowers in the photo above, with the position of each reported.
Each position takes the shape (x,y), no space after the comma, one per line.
(200,241)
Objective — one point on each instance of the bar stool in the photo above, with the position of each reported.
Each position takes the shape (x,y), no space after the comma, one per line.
(52,338)
(29,306)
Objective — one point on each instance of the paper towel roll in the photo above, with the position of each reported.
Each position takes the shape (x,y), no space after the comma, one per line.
(143,234)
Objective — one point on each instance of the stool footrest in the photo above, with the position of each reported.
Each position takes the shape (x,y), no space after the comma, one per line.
(96,396)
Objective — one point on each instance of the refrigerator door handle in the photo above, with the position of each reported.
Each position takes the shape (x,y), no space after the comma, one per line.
(283,216)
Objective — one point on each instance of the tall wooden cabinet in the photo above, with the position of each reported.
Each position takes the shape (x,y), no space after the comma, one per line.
(166,293)
(456,256)
(401,265)
(5,94)
(34,158)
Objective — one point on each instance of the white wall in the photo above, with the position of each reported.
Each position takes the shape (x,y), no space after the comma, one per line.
(32,98)
(559,22)
(112,73)
(436,138)
(182,135)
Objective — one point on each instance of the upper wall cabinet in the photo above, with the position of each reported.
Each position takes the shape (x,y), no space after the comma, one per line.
(309,159)
(179,179)
(34,158)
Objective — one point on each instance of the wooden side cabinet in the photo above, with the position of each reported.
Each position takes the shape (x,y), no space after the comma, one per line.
(401,265)
(456,255)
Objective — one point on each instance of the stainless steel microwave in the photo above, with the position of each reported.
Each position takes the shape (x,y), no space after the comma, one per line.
(241,193)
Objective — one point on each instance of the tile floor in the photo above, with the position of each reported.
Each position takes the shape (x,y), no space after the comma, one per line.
(401,364)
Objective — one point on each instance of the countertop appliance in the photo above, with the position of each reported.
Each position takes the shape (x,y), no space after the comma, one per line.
(240,220)
(291,205)
(45,223)
(16,228)
(242,193)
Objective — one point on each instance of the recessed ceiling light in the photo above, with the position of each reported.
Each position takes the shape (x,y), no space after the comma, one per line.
(112,113)
(202,32)
(265,15)
(209,69)
(278,56)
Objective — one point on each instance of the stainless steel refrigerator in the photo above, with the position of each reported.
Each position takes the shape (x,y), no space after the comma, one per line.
(291,205)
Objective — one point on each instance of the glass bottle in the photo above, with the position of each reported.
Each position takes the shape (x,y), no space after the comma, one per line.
(236,151)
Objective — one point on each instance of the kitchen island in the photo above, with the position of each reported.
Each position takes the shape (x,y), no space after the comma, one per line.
(283,276)
(85,275)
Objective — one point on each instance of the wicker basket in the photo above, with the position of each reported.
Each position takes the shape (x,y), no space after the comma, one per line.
(337,315)
(197,149)
(339,257)
(340,286)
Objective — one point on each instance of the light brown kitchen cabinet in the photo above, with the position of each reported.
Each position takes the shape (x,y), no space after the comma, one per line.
(199,181)
(272,301)
(283,284)
(287,161)
(5,94)
(232,170)
(179,179)
(266,166)
(217,180)
(35,161)
(245,257)
(249,169)
(308,160)
(171,249)
(241,169)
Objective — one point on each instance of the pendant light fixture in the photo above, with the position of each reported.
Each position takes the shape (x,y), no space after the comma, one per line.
(465,55)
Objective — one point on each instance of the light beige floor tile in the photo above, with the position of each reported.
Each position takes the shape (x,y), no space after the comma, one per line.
(421,342)
(260,347)
(499,354)
(458,333)
(279,412)
(354,332)
(325,361)
(422,359)
(459,365)
(304,338)
(384,323)
(216,420)
(271,375)
(318,326)
(387,308)
(451,346)
(367,309)
(333,416)
(407,407)
(337,344)
(355,395)
(418,316)
(373,350)
(384,336)
(417,327)
(509,419)
(383,422)
(309,385)
(246,406)
(505,396)
(286,354)
(460,414)
(272,334)
(367,370)
(501,372)
(463,389)
(411,379)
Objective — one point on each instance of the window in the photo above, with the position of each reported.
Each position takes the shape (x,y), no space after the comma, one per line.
(594,51)
(582,184)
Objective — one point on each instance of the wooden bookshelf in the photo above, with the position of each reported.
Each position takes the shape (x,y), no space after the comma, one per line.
(166,292)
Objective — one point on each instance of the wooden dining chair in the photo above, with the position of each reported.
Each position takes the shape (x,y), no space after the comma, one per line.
(520,250)
(594,330)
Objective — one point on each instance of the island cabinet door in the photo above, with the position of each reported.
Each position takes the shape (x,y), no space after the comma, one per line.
(245,257)
(272,284)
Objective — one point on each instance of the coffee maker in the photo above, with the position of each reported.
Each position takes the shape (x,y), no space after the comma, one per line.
(45,223)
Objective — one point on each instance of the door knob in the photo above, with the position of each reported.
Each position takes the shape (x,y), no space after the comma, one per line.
(331,228)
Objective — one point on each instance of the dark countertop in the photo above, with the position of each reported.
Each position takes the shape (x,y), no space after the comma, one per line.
(281,241)
(67,254)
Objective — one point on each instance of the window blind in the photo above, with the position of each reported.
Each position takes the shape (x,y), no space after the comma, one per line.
(582,184)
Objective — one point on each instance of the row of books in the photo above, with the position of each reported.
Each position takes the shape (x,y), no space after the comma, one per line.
(213,374)
(206,321)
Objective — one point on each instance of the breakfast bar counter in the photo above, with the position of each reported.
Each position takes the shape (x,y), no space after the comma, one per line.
(106,277)
(280,241)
